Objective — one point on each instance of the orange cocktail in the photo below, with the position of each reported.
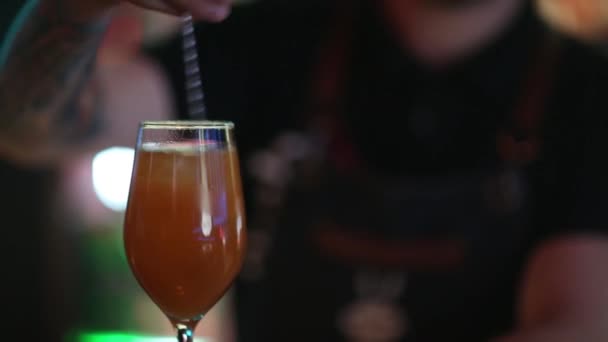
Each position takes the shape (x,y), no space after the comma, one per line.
(185,231)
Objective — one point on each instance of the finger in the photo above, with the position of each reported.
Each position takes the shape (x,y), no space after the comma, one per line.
(209,10)
(158,5)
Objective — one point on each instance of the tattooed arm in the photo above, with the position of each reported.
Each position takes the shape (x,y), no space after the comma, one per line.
(50,100)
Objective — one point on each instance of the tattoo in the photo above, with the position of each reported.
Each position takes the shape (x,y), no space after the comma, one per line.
(45,79)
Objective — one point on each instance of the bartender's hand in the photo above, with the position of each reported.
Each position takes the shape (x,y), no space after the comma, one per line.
(206,10)
(210,10)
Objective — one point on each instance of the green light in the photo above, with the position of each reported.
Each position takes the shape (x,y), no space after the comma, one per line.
(124,337)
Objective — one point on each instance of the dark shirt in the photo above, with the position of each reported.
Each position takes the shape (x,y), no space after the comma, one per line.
(408,205)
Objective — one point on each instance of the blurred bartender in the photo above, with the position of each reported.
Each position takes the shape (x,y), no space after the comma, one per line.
(422,170)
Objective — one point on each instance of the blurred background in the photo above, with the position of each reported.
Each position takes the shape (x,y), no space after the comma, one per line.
(69,219)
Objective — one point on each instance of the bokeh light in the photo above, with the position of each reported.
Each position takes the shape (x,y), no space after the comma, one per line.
(112,176)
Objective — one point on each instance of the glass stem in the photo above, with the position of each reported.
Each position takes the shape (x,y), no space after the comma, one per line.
(184,334)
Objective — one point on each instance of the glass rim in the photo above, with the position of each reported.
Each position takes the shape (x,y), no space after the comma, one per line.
(186,124)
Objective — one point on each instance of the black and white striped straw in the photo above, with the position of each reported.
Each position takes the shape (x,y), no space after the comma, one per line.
(194,85)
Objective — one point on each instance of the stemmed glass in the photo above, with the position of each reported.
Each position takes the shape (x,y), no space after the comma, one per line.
(184,231)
